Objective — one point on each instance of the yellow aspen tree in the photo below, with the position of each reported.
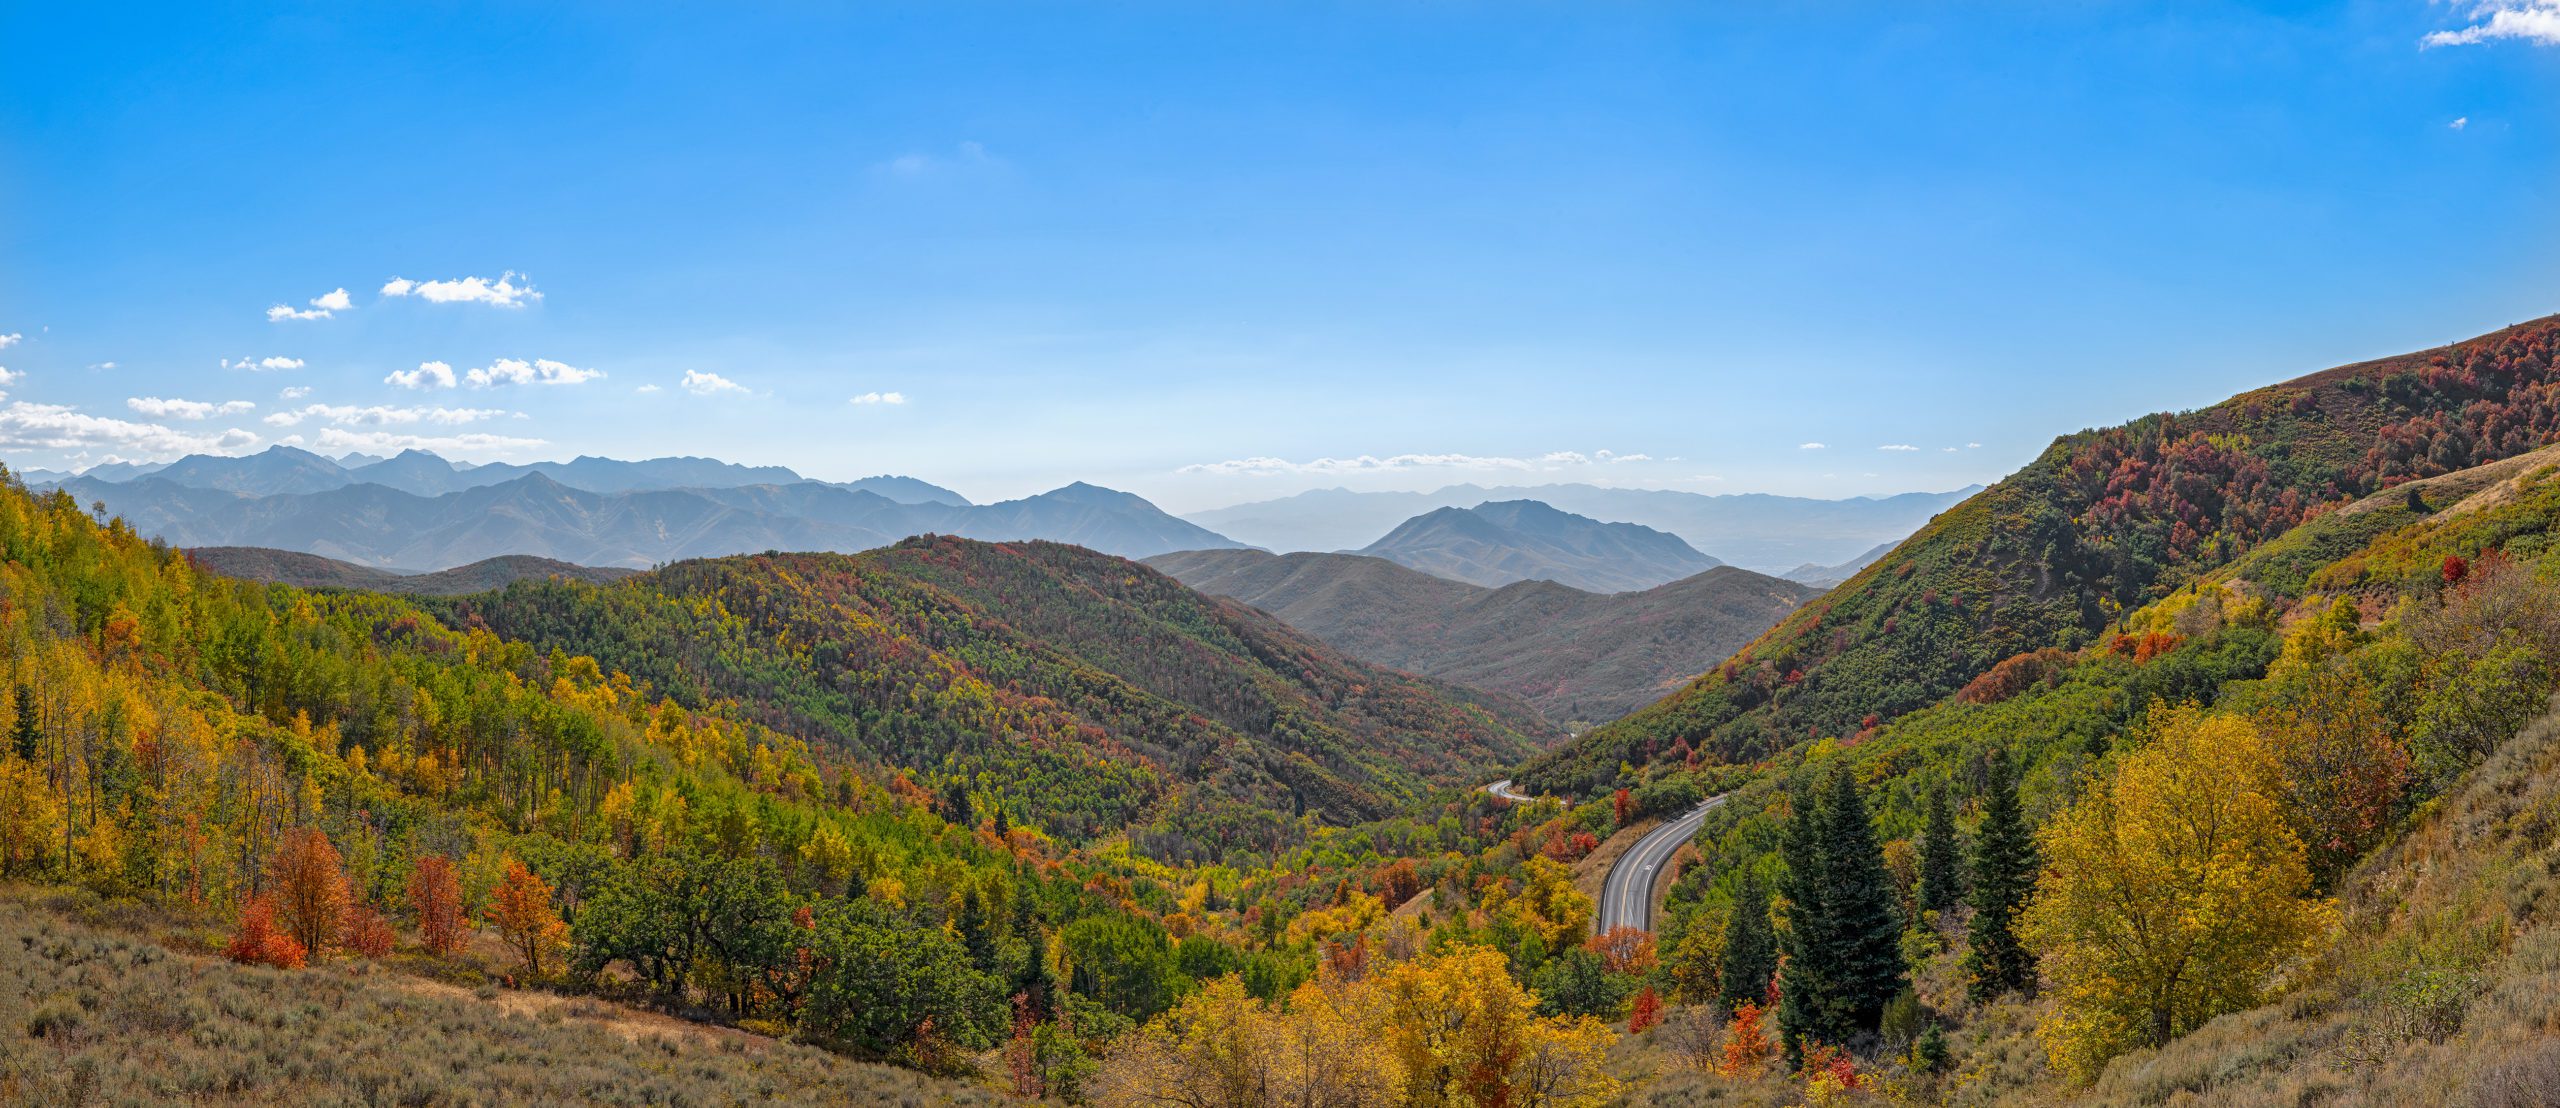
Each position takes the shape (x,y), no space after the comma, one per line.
(2172,893)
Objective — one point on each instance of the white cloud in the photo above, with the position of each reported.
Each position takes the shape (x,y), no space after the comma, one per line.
(708,384)
(260,365)
(920,164)
(322,307)
(380,416)
(881,398)
(1370,463)
(428,375)
(1898,447)
(10,339)
(2459,122)
(503,292)
(517,371)
(2534,21)
(1811,446)
(293,392)
(1622,459)
(646,389)
(25,426)
(1973,446)
(102,365)
(10,376)
(158,408)
(335,440)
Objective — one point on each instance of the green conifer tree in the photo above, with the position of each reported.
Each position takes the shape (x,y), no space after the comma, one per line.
(1941,857)
(2004,875)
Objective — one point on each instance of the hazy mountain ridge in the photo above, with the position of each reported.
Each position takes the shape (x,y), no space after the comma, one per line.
(534,514)
(1500,542)
(1574,655)
(1757,531)
(286,469)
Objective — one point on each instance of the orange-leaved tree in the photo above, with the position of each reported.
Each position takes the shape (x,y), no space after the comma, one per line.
(435,894)
(308,884)
(258,942)
(521,910)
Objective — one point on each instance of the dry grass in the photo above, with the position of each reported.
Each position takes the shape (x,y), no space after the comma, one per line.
(92,1014)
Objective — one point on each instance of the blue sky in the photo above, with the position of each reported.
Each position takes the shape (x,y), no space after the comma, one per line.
(1212,253)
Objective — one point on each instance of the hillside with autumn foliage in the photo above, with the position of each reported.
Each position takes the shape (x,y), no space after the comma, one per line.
(2100,524)
(1072,691)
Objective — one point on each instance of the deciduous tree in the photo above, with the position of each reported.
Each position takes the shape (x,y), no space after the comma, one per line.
(435,895)
(521,910)
(2175,890)
(307,885)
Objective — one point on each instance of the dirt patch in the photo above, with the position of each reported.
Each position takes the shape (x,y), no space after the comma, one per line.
(1592,872)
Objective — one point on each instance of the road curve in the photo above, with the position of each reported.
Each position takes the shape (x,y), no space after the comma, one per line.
(1502,790)
(1626,897)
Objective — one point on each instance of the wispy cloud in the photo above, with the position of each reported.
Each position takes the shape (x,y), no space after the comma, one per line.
(540,371)
(293,392)
(2534,21)
(159,408)
(2460,122)
(322,307)
(1812,446)
(919,164)
(25,426)
(260,365)
(647,389)
(700,383)
(10,339)
(1898,447)
(334,440)
(502,293)
(381,416)
(102,366)
(881,398)
(1397,463)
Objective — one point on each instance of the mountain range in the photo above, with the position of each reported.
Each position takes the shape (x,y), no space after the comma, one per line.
(1754,530)
(293,500)
(1574,655)
(1500,542)
(285,469)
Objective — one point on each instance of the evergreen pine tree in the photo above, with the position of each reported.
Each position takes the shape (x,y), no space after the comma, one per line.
(1866,915)
(1941,857)
(27,734)
(977,931)
(1750,947)
(1807,940)
(1844,942)
(2004,875)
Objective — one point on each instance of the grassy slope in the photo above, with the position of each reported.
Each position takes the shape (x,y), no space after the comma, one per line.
(2103,522)
(92,1013)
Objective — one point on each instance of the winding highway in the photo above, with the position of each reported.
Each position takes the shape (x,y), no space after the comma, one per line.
(1626,896)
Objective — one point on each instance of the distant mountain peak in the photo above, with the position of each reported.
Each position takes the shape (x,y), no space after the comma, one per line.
(1500,542)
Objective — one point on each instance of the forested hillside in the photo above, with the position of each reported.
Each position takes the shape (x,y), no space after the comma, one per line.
(2102,523)
(1075,692)
(1578,657)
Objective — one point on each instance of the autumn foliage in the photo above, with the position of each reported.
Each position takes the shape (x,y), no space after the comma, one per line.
(435,894)
(259,942)
(1624,949)
(521,911)
(1747,1045)
(307,884)
(1646,1012)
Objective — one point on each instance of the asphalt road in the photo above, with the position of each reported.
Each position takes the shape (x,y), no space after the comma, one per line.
(1626,898)
(1502,790)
